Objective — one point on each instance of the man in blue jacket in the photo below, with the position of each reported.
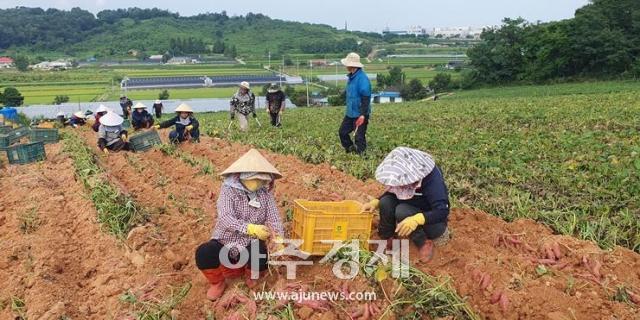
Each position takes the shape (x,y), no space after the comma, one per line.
(358,106)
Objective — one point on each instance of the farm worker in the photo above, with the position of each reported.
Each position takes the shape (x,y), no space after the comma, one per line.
(111,135)
(275,104)
(157,107)
(187,126)
(101,111)
(140,118)
(416,200)
(78,119)
(61,118)
(247,217)
(243,103)
(358,106)
(125,104)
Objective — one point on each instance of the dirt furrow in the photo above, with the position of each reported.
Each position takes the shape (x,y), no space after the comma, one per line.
(54,256)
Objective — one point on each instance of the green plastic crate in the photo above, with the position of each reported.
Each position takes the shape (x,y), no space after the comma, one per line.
(18,133)
(126,124)
(144,141)
(5,141)
(26,153)
(44,135)
(5,129)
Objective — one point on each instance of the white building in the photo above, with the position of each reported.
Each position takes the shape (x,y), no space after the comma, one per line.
(53,65)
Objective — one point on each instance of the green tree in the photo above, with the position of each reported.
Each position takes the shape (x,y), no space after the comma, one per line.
(21,63)
(60,99)
(414,90)
(164,95)
(441,82)
(11,97)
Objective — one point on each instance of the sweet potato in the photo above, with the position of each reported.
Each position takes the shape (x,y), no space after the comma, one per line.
(528,247)
(555,247)
(635,298)
(485,282)
(367,314)
(314,304)
(595,269)
(495,297)
(504,302)
(514,240)
(549,253)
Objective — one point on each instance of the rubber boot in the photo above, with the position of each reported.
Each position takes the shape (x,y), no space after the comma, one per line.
(232,273)
(425,253)
(252,283)
(216,279)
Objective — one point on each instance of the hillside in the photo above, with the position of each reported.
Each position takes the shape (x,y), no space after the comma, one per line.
(113,33)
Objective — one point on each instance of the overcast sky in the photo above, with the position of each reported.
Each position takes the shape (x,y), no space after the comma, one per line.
(360,15)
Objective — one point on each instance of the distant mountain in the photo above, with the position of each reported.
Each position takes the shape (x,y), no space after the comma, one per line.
(116,33)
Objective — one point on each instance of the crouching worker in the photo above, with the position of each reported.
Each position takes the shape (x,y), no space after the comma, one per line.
(247,217)
(140,118)
(101,111)
(78,119)
(111,136)
(416,201)
(187,127)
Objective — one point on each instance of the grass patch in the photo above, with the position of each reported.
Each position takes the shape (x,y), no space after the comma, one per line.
(29,221)
(156,308)
(118,213)
(19,308)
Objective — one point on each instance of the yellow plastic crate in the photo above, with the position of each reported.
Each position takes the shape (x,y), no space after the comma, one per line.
(314,221)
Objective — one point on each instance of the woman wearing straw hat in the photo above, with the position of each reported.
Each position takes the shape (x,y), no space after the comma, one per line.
(416,201)
(358,106)
(141,119)
(247,216)
(78,119)
(242,104)
(187,126)
(101,111)
(157,108)
(111,135)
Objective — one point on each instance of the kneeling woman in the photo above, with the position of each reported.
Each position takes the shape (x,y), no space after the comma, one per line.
(111,135)
(187,127)
(247,217)
(416,201)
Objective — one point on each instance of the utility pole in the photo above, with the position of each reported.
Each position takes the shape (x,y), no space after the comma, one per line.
(309,79)
(269,59)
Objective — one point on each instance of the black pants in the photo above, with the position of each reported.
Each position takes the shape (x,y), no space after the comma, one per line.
(158,114)
(275,119)
(348,126)
(208,255)
(392,211)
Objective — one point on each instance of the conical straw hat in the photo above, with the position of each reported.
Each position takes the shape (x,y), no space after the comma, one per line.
(140,105)
(252,161)
(184,108)
(111,119)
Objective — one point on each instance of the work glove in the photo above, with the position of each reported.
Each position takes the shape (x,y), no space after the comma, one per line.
(360,121)
(258,231)
(410,224)
(157,127)
(124,137)
(255,115)
(189,127)
(371,206)
(106,151)
(233,116)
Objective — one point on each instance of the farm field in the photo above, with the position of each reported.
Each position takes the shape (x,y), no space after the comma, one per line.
(136,249)
(550,153)
(134,252)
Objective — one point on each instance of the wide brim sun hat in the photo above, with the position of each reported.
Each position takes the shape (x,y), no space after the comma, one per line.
(79,114)
(184,108)
(245,85)
(352,60)
(404,166)
(111,119)
(140,105)
(102,108)
(252,162)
